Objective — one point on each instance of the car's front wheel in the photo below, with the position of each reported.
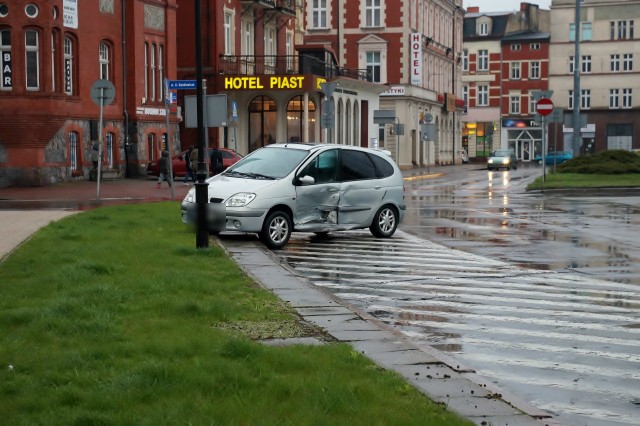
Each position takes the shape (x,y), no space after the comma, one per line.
(276,229)
(385,222)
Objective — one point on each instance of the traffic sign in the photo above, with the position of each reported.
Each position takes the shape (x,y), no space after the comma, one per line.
(182,84)
(103,92)
(544,106)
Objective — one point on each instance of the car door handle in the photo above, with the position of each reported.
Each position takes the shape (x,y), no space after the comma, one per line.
(333,190)
(377,187)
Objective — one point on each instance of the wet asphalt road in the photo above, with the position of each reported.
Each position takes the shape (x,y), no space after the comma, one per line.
(539,292)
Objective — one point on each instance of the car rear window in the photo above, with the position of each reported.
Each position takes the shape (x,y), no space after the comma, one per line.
(383,168)
(356,165)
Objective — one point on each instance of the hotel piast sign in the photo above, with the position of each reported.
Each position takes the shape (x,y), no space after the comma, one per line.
(265,82)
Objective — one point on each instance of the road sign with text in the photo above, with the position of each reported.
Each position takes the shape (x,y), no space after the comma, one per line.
(544,106)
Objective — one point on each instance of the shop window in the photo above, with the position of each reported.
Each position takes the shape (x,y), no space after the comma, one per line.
(263,114)
(295,121)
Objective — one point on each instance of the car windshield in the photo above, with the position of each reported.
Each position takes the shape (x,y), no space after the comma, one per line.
(502,153)
(268,163)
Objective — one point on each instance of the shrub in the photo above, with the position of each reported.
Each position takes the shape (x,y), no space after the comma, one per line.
(611,162)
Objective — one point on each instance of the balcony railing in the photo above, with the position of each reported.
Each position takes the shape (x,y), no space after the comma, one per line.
(285,64)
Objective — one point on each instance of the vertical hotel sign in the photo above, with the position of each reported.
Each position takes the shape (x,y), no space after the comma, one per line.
(416,59)
(70,13)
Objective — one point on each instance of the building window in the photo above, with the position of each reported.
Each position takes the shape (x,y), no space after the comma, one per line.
(4,10)
(534,70)
(483,60)
(247,46)
(55,40)
(516,47)
(615,62)
(613,98)
(160,72)
(622,30)
(627,62)
(32,59)
(570,100)
(532,103)
(514,73)
(295,119)
(74,152)
(572,64)
(104,61)
(514,104)
(110,149)
(465,97)
(69,72)
(31,10)
(151,146)
(586,31)
(270,49)
(5,60)
(319,13)
(626,98)
(572,32)
(289,52)
(586,64)
(585,99)
(484,29)
(465,60)
(534,46)
(263,114)
(152,71)
(483,96)
(373,66)
(372,13)
(228,18)
(146,72)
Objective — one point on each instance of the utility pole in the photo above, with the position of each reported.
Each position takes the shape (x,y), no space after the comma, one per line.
(577,138)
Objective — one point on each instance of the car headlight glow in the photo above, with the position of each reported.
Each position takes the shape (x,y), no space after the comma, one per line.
(490,160)
(240,199)
(506,161)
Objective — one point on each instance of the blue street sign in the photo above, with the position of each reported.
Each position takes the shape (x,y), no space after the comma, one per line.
(182,84)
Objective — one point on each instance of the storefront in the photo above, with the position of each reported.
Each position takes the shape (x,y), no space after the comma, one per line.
(524,136)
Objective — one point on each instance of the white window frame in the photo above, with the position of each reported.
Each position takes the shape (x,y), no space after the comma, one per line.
(53,62)
(5,60)
(103,60)
(514,104)
(585,99)
(482,95)
(627,98)
(319,14)
(465,60)
(372,14)
(585,64)
(109,148)
(532,103)
(483,28)
(587,31)
(68,65)
(228,33)
(32,59)
(516,47)
(613,98)
(152,70)
(373,60)
(615,62)
(146,71)
(160,69)
(74,161)
(572,64)
(270,46)
(514,71)
(534,46)
(289,51)
(483,60)
(570,100)
(627,62)
(247,38)
(534,70)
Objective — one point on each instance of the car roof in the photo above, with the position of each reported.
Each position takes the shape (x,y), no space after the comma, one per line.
(312,146)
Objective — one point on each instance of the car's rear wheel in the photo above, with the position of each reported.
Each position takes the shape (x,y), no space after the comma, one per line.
(385,222)
(276,229)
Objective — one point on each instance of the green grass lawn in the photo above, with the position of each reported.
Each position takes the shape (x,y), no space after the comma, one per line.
(582,180)
(112,317)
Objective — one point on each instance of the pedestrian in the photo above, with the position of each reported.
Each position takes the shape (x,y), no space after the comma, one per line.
(187,162)
(95,155)
(163,170)
(217,165)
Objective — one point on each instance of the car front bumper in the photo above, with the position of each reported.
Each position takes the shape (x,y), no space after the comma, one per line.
(221,218)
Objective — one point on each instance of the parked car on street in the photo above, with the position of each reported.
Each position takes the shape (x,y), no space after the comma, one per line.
(229,157)
(557,157)
(287,187)
(502,159)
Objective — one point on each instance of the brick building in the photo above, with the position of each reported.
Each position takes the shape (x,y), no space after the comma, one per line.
(51,53)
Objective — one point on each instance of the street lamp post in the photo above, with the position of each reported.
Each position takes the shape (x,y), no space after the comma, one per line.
(202,233)
(577,138)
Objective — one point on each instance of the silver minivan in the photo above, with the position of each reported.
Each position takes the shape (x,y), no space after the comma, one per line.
(289,187)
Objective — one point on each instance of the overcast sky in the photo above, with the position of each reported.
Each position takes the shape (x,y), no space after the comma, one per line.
(503,5)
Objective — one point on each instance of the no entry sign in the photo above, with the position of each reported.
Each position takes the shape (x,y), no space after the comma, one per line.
(544,106)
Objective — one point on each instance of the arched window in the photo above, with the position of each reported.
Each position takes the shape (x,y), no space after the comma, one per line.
(151,146)
(295,119)
(69,51)
(32,59)
(104,60)
(263,113)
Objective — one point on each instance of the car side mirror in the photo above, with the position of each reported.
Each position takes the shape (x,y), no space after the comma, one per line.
(306,180)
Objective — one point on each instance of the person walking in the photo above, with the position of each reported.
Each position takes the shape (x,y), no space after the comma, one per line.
(163,172)
(217,165)
(189,173)
(193,159)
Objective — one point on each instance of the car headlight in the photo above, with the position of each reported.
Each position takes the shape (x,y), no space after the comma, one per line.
(240,199)
(191,196)
(490,161)
(506,161)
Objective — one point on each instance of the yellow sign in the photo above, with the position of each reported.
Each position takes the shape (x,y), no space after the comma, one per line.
(264,82)
(319,81)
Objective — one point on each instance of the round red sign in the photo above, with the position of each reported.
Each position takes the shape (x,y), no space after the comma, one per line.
(544,106)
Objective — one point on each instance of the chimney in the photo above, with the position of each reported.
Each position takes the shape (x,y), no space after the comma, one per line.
(473,9)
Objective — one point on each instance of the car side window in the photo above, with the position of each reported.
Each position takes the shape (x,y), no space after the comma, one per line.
(323,168)
(383,168)
(226,154)
(356,165)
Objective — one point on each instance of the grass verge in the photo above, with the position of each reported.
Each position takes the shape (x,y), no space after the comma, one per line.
(581,180)
(112,317)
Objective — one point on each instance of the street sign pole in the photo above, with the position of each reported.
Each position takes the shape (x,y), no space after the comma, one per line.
(100,144)
(167,101)
(544,148)
(102,92)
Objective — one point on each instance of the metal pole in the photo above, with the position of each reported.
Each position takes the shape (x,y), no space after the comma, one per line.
(544,148)
(169,146)
(102,98)
(202,233)
(577,139)
(453,85)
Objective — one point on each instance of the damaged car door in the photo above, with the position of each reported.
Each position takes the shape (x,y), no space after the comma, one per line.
(361,190)
(318,193)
